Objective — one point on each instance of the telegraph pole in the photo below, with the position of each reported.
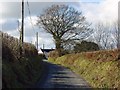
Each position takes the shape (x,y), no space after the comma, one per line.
(37,40)
(21,39)
(43,48)
(22,28)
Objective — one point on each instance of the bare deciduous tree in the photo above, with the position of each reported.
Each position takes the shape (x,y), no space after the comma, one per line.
(104,36)
(116,34)
(64,23)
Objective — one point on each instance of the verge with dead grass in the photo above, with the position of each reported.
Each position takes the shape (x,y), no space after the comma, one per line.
(100,68)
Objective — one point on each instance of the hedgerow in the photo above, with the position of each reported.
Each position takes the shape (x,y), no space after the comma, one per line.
(19,72)
(99,68)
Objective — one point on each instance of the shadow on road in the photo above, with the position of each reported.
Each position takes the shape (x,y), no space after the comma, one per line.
(56,76)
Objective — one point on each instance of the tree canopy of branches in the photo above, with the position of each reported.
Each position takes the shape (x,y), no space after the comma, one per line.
(106,35)
(64,23)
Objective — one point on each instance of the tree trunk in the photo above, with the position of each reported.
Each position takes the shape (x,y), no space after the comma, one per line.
(58,46)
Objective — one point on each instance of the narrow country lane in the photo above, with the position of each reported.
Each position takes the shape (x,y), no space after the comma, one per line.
(60,77)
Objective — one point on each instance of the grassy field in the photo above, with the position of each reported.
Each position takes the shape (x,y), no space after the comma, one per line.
(100,68)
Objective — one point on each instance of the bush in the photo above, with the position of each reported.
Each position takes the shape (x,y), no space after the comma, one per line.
(21,74)
(85,46)
(10,47)
(54,54)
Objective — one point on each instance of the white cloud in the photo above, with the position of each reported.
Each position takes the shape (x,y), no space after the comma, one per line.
(2,21)
(30,34)
(10,10)
(14,33)
(105,11)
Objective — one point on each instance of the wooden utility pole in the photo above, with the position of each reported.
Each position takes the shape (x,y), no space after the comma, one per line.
(20,33)
(37,40)
(21,39)
(22,28)
(43,48)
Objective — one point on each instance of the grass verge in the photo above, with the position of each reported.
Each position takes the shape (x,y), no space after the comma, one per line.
(100,69)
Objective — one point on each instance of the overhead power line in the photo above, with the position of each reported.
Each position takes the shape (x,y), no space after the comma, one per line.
(32,25)
(30,16)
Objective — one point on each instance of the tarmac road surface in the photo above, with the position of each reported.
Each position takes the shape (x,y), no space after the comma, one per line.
(57,76)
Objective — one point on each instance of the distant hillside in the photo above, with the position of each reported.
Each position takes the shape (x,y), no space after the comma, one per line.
(99,68)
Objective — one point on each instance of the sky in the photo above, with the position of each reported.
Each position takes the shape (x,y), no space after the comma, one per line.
(95,11)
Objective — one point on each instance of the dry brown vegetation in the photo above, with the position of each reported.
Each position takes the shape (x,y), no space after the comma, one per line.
(103,55)
(99,68)
(10,48)
(16,72)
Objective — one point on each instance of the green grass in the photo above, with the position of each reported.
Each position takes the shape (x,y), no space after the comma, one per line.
(98,73)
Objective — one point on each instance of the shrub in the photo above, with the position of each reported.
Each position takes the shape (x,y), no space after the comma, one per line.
(10,47)
(14,73)
(54,54)
(85,46)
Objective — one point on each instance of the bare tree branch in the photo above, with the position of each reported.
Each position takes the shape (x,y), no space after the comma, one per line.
(64,23)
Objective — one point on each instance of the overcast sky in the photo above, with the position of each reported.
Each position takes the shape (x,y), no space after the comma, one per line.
(94,10)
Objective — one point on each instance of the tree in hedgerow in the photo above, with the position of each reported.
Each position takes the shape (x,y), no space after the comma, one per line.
(64,23)
(85,46)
